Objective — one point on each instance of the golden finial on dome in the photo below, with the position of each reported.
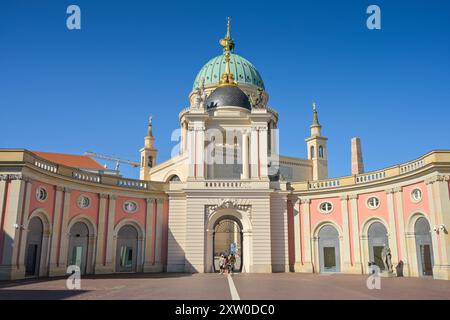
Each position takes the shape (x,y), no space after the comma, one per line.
(227,44)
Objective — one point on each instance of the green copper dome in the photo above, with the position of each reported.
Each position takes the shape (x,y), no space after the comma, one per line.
(242,69)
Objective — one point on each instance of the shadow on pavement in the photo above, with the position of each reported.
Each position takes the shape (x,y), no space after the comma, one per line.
(118,276)
(12,294)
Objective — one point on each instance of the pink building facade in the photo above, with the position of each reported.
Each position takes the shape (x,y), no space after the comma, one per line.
(52,216)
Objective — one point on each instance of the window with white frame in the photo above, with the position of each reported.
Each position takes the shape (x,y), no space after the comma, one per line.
(373,203)
(130,206)
(325,207)
(83,202)
(416,195)
(41,194)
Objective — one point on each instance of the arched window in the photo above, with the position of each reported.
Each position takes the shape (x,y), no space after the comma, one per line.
(213,141)
(312,152)
(174,178)
(320,152)
(150,161)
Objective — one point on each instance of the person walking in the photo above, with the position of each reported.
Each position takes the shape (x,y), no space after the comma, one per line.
(221,263)
(232,262)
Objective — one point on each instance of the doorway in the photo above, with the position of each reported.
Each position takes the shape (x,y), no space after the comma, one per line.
(378,239)
(227,241)
(126,254)
(78,246)
(329,255)
(33,247)
(424,247)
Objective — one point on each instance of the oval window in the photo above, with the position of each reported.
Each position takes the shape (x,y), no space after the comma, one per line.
(416,195)
(373,203)
(325,207)
(130,206)
(41,194)
(83,202)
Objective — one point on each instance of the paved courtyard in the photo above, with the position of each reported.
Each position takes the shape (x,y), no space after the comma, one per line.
(216,286)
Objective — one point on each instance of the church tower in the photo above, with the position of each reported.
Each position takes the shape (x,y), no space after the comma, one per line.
(317,149)
(148,153)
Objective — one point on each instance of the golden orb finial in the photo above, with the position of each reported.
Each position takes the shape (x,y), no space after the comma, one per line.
(227,44)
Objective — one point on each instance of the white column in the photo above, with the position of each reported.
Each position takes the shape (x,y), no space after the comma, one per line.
(247,244)
(110,254)
(401,230)
(64,239)
(306,224)
(159,223)
(442,219)
(254,153)
(191,151)
(14,205)
(149,227)
(355,230)
(346,256)
(245,162)
(209,251)
(56,235)
(200,146)
(297,235)
(392,227)
(263,151)
(19,251)
(101,233)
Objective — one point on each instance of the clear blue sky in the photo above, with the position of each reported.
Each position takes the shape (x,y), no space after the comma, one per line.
(93,89)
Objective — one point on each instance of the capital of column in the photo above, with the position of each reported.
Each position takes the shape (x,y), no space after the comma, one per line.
(305,200)
(296,201)
(259,128)
(389,191)
(112,197)
(67,190)
(103,196)
(193,127)
(435,178)
(150,200)
(59,188)
(398,189)
(14,177)
(344,197)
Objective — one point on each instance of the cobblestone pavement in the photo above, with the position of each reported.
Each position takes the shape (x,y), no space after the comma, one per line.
(216,286)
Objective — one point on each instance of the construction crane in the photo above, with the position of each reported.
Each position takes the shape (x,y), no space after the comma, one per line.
(111,158)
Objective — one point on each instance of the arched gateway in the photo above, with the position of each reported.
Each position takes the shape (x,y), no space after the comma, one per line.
(228,231)
(227,241)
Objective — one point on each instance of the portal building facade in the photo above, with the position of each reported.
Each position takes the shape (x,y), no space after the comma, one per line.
(227,191)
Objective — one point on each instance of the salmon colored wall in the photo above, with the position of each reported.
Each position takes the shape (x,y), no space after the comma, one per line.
(139,215)
(47,205)
(364,212)
(335,215)
(409,207)
(91,211)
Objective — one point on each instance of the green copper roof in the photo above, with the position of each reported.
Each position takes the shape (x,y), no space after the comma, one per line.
(242,69)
